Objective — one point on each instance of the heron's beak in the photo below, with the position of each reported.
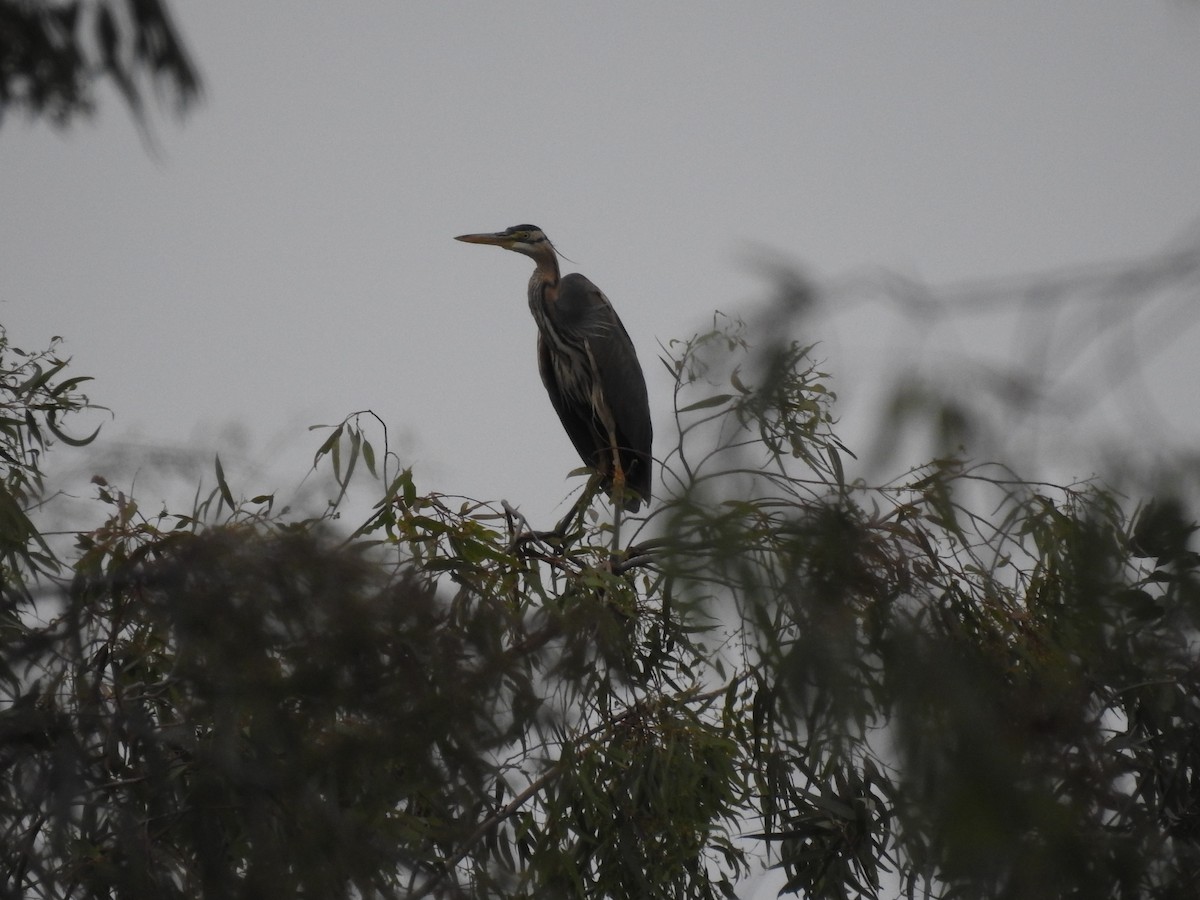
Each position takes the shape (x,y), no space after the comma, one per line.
(498,239)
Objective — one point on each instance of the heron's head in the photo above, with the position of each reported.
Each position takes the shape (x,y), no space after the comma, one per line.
(527,239)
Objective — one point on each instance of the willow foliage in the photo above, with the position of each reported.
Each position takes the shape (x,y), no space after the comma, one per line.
(955,684)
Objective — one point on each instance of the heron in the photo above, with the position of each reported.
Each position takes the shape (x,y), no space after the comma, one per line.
(589,367)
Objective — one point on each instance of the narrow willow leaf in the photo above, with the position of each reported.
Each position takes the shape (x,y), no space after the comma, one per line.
(708,402)
(223,485)
(368,453)
(329,443)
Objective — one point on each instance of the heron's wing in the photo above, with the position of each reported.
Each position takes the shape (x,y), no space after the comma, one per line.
(582,309)
(576,418)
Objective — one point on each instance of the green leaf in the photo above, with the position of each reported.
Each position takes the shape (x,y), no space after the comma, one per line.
(835,460)
(66,438)
(368,453)
(329,443)
(38,378)
(64,386)
(708,402)
(223,486)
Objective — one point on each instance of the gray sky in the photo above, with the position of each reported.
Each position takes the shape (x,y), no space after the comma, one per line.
(287,257)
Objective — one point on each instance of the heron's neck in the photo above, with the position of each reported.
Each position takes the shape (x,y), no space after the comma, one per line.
(547,265)
(544,281)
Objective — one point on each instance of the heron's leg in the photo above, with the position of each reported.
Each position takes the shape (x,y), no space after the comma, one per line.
(557,535)
(618,501)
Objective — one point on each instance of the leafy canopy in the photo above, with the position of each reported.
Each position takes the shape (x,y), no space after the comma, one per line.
(954,684)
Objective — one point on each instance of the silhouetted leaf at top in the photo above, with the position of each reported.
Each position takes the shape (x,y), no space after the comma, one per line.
(52,55)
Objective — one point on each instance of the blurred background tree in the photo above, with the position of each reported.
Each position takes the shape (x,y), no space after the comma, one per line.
(53,55)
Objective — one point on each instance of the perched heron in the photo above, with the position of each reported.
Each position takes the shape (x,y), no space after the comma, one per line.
(589,368)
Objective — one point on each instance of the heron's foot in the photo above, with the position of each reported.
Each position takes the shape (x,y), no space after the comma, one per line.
(555,540)
(569,528)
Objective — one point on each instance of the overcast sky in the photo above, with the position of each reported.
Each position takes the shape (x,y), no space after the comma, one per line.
(286,257)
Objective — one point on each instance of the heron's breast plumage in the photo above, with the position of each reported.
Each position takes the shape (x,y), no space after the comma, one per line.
(574,365)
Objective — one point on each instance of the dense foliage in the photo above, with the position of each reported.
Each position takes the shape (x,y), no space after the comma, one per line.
(958,684)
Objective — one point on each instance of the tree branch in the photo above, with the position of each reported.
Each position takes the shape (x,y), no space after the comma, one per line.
(485,827)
